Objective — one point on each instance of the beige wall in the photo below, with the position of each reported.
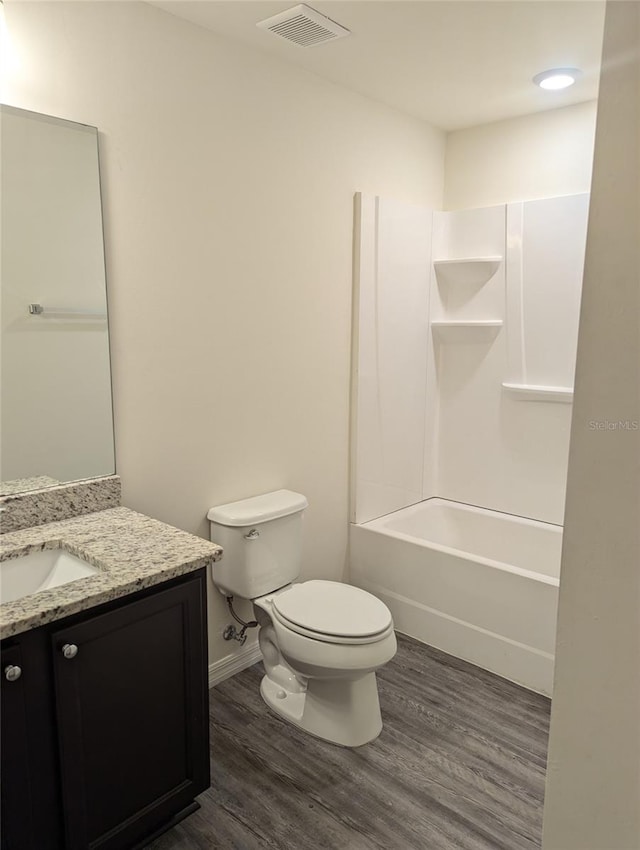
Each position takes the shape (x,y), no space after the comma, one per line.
(593,780)
(228,184)
(536,156)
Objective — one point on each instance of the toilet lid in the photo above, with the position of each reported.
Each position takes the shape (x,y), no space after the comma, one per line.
(332,608)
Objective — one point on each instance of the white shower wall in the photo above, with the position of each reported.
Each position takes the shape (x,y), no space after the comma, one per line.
(393,250)
(547,241)
(467,366)
(429,380)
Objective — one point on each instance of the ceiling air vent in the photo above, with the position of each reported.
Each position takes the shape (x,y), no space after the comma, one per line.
(304,26)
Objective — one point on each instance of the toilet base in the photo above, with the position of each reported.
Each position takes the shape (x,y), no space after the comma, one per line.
(342,711)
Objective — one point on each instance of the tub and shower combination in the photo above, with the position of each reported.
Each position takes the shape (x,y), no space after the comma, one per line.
(479,584)
(465,337)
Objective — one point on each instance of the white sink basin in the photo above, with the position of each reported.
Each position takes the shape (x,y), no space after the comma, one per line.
(38,571)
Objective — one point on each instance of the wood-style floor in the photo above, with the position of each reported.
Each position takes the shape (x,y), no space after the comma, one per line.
(460,765)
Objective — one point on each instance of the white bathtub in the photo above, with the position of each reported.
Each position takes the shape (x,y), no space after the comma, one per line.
(476,583)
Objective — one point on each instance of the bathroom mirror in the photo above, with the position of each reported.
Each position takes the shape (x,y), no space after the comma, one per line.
(56,420)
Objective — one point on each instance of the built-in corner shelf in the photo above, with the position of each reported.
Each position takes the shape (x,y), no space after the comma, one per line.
(535,392)
(472,271)
(469,331)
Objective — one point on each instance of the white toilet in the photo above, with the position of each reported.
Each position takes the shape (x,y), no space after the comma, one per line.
(321,641)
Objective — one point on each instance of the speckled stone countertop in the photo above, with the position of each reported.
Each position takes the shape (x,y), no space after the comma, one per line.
(19,485)
(51,504)
(132,552)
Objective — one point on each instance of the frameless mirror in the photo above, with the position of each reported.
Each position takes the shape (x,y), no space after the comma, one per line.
(56,421)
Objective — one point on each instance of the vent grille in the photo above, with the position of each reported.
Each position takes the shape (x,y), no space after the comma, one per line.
(303,26)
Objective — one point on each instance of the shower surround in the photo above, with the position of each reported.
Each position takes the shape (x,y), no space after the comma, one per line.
(465,336)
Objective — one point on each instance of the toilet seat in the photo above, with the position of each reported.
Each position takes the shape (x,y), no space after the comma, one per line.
(332,612)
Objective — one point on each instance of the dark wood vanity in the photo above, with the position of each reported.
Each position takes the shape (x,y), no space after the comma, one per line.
(105,723)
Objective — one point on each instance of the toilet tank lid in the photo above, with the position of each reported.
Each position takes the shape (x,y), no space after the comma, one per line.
(258,509)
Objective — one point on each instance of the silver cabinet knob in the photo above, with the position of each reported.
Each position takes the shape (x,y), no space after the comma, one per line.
(69,650)
(12,673)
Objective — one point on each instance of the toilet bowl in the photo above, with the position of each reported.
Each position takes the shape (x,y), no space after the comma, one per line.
(320,666)
(321,641)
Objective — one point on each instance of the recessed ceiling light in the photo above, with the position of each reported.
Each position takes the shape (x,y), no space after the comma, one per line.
(557,78)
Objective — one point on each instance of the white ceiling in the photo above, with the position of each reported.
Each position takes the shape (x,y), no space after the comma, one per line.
(454,63)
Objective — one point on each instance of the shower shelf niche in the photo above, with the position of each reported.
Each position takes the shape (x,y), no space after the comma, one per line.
(480,330)
(472,271)
(537,392)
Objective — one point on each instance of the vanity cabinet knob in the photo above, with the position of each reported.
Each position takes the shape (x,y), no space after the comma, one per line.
(69,650)
(12,673)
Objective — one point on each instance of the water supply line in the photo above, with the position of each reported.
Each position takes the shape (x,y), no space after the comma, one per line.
(231,632)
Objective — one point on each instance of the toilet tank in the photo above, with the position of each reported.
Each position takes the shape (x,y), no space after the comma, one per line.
(262,542)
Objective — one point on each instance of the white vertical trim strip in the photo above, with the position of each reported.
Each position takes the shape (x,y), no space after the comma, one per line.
(516,352)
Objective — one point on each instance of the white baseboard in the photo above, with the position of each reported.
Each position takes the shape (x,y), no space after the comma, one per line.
(232,664)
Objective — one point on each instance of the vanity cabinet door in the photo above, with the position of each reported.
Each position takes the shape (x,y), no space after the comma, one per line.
(132,710)
(17,832)
(30,801)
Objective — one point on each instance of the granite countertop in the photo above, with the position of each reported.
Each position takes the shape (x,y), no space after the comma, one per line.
(132,552)
(19,485)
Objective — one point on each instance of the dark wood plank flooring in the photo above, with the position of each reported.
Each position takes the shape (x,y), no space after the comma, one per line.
(460,765)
